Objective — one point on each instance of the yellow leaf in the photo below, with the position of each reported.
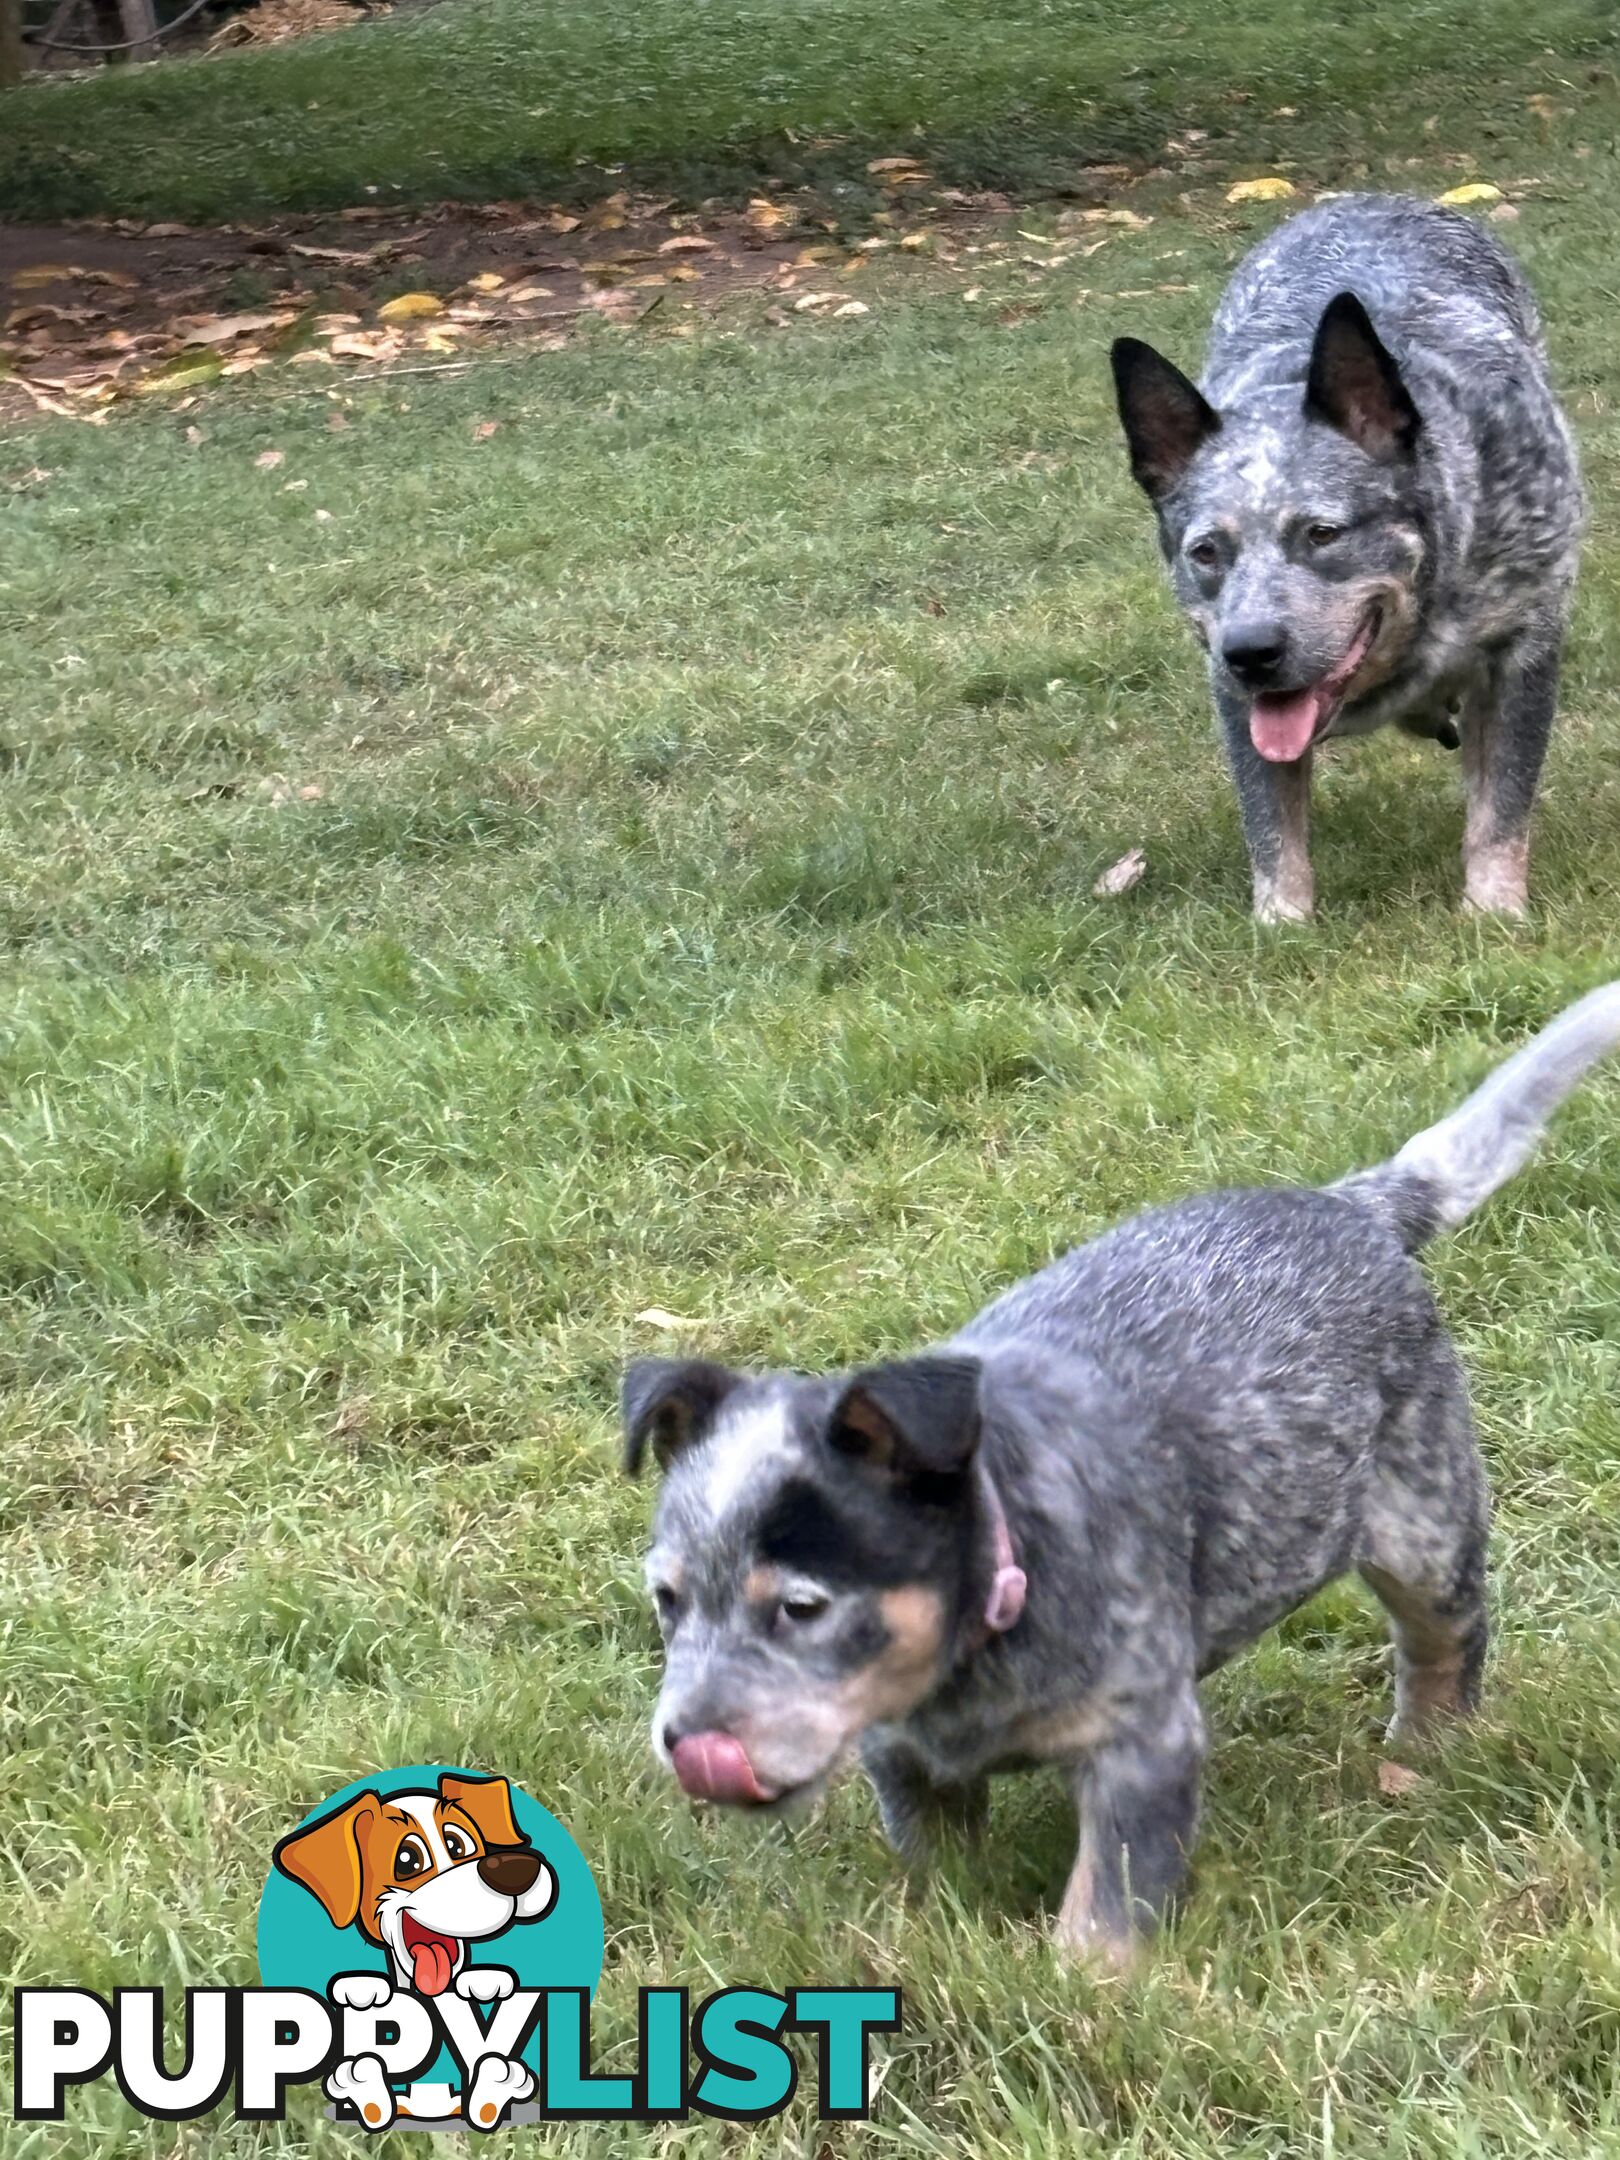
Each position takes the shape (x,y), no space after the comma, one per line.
(486,281)
(767,216)
(1471,191)
(182,374)
(409,306)
(1272,188)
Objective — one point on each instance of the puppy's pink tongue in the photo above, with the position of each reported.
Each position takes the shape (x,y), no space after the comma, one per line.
(714,1766)
(431,1962)
(1283,728)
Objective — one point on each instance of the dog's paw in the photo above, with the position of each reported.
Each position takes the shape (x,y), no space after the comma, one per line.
(362,2083)
(496,2084)
(361,1991)
(1274,906)
(484,1983)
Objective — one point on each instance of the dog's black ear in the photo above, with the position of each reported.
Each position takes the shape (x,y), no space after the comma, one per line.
(666,1403)
(917,1417)
(1166,418)
(1355,385)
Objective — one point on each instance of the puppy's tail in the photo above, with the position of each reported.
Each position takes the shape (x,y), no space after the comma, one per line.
(1441,1176)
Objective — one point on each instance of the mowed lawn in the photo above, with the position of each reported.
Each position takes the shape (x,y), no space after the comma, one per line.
(463,891)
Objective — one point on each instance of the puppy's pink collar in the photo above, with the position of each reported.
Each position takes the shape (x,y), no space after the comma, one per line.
(1009,1585)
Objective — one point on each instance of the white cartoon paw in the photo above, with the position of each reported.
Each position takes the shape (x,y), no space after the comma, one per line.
(362,2083)
(361,1991)
(484,1983)
(496,2084)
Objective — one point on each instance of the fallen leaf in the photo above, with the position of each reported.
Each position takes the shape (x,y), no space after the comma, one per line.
(42,274)
(1542,106)
(655,1316)
(1272,188)
(323,517)
(1395,1781)
(486,281)
(766,216)
(182,373)
(1503,213)
(195,435)
(851,307)
(337,254)
(484,430)
(222,329)
(1127,218)
(685,244)
(410,307)
(364,345)
(1121,876)
(165,232)
(268,460)
(559,221)
(1471,191)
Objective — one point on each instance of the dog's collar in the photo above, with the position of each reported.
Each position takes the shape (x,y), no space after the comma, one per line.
(1009,1585)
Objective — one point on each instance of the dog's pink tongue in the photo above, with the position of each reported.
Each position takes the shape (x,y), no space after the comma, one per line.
(432,1962)
(714,1766)
(1283,728)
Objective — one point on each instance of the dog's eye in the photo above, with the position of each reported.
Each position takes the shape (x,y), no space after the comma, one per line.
(1205,553)
(667,1602)
(802,1606)
(457,1843)
(1323,535)
(411,1860)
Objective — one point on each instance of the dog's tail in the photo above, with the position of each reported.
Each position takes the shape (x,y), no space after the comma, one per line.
(1441,1176)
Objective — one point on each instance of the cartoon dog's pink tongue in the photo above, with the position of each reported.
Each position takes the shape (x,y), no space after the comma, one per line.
(433,1957)
(1283,728)
(714,1766)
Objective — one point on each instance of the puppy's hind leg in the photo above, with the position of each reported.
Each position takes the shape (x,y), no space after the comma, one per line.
(1274,802)
(1506,724)
(1424,1554)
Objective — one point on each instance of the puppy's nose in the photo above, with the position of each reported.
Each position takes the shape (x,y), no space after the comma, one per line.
(1255,654)
(511,1871)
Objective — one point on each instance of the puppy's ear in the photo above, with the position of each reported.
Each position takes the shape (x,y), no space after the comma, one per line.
(917,1417)
(1355,385)
(325,1857)
(667,1403)
(487,1803)
(1167,419)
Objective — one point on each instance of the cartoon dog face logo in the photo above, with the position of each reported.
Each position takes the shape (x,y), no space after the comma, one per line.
(423,1874)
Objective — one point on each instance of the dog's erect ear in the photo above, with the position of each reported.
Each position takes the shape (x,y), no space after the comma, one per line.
(917,1417)
(487,1803)
(668,1402)
(325,1857)
(1355,385)
(1167,419)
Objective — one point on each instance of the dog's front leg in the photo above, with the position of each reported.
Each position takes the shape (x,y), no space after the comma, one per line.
(1138,1800)
(1274,802)
(1506,724)
(914,1806)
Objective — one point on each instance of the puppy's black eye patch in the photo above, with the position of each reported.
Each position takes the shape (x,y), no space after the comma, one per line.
(804,1531)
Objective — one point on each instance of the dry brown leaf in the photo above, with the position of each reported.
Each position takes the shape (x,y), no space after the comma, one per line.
(1395,1781)
(766,216)
(484,430)
(222,329)
(410,307)
(851,307)
(685,244)
(339,255)
(365,345)
(1119,877)
(268,460)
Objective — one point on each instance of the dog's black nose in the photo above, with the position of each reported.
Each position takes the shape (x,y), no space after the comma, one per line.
(671,1734)
(510,1870)
(1256,656)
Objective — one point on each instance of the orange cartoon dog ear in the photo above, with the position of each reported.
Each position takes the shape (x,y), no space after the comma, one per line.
(488,1801)
(325,1857)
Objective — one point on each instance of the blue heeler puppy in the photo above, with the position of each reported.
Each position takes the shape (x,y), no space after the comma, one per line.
(1371,511)
(1028,1544)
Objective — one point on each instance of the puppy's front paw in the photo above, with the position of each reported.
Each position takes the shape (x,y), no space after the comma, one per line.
(484,1983)
(361,1991)
(1278,904)
(362,2083)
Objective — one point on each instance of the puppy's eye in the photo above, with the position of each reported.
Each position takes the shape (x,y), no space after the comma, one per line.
(667,1602)
(803,1606)
(457,1843)
(411,1860)
(1322,534)
(1205,553)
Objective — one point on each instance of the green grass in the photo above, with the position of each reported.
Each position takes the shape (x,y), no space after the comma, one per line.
(713,767)
(497,97)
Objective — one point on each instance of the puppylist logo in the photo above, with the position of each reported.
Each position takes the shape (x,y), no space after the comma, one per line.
(429,1945)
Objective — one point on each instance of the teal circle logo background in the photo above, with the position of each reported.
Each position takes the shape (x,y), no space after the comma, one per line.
(299,1947)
